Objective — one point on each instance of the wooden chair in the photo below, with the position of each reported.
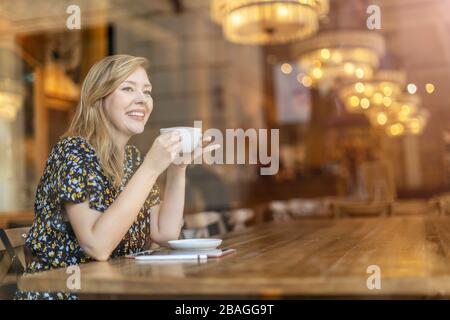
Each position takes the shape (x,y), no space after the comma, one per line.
(12,259)
(203,225)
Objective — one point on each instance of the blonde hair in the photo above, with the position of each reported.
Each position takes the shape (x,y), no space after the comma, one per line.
(90,120)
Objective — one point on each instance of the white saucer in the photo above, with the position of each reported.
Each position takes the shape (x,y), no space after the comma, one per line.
(195,244)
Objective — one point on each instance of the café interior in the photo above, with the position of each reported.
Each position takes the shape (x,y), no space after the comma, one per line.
(357,91)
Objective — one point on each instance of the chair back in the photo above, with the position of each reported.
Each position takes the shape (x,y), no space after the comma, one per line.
(279,211)
(239,218)
(12,257)
(201,224)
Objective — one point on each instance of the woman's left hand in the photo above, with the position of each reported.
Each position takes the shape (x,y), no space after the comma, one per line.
(184,160)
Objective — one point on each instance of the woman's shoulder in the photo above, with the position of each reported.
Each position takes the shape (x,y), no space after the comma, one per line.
(73,145)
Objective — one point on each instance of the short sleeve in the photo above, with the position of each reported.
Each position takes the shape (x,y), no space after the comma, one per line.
(75,178)
(72,179)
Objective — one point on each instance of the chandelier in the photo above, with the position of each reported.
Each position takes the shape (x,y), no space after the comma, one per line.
(11,98)
(343,55)
(406,117)
(268,21)
(376,94)
(383,101)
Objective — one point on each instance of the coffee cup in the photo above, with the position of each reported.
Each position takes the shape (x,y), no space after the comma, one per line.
(190,137)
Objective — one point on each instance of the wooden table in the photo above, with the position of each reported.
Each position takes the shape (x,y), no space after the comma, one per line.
(304,258)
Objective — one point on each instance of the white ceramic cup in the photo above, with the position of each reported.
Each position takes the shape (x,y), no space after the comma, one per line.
(190,137)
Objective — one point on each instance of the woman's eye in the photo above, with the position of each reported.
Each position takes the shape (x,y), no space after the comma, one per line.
(148,93)
(127,89)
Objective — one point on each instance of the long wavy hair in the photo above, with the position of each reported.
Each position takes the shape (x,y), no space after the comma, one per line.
(90,120)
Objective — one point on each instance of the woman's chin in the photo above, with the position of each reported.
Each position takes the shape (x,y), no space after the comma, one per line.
(136,130)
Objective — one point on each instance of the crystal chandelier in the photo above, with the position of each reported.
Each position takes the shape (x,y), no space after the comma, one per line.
(374,95)
(268,21)
(406,117)
(385,103)
(11,98)
(342,54)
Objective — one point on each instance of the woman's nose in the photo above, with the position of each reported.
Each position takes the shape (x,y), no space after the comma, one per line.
(140,97)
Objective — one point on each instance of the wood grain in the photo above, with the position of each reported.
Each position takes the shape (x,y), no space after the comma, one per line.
(301,258)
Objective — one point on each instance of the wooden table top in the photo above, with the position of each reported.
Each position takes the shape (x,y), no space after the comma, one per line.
(303,258)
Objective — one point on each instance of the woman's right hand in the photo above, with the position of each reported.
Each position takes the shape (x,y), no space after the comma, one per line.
(163,152)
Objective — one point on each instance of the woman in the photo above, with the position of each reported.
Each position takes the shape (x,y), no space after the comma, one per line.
(97,197)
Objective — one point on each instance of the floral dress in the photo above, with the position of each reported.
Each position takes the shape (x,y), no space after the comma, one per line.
(73,174)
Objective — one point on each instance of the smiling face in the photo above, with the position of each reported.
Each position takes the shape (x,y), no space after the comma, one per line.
(129,106)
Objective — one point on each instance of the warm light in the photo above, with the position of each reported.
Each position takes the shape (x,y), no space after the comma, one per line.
(325,54)
(343,55)
(405,109)
(307,81)
(10,104)
(381,118)
(415,126)
(317,73)
(359,73)
(412,88)
(282,11)
(268,21)
(368,90)
(387,91)
(387,101)
(337,57)
(378,98)
(365,103)
(354,101)
(396,129)
(236,19)
(349,68)
(429,87)
(404,113)
(359,87)
(286,68)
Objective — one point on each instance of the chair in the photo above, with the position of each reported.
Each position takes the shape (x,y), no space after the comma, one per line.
(441,203)
(279,211)
(239,218)
(376,192)
(203,225)
(306,208)
(12,259)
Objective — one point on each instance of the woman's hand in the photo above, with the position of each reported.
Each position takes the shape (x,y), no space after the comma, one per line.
(164,151)
(181,162)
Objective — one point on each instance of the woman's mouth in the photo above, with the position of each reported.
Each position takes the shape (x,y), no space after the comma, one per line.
(136,115)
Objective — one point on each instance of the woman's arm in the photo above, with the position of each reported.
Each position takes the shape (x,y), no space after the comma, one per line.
(167,218)
(100,233)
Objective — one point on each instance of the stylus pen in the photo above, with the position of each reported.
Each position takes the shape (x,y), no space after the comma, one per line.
(174,257)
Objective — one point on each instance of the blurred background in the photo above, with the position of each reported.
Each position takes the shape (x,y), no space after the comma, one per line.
(364,115)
